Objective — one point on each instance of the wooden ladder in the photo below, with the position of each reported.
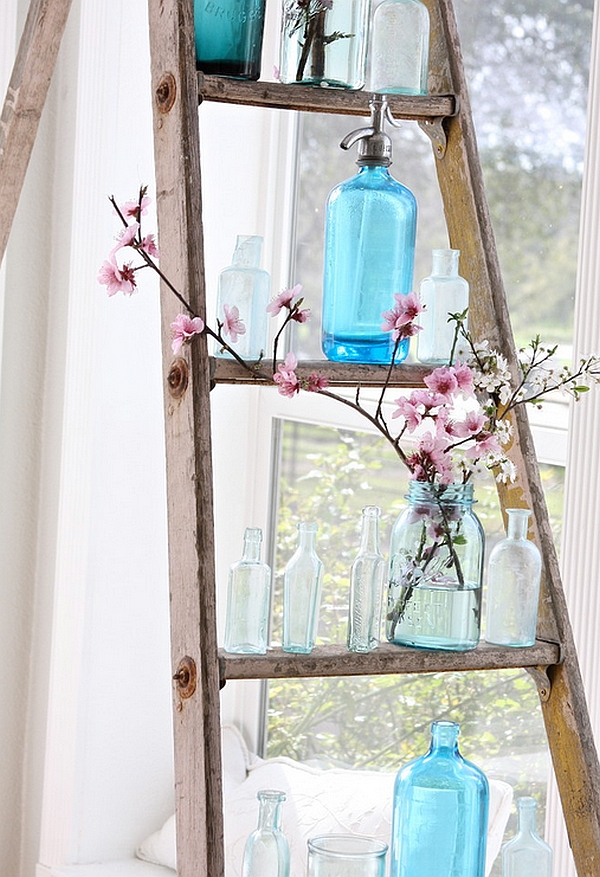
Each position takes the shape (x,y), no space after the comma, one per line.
(198,668)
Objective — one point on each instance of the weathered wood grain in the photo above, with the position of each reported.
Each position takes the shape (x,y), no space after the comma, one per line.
(188,442)
(340,374)
(336,660)
(309,99)
(25,99)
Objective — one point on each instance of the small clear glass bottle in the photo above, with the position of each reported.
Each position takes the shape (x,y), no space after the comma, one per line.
(302,593)
(399,52)
(443,292)
(267,853)
(366,586)
(513,587)
(526,853)
(440,812)
(247,287)
(248,599)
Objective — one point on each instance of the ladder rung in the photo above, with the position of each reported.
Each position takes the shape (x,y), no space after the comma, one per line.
(341,374)
(336,660)
(311,99)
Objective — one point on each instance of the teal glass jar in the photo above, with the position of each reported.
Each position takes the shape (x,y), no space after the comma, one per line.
(440,812)
(436,569)
(229,36)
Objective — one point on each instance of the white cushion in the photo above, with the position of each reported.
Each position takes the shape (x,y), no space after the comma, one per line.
(318,802)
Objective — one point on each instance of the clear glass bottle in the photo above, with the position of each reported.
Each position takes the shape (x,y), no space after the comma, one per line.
(399,47)
(324,43)
(443,292)
(370,230)
(440,812)
(302,593)
(366,586)
(248,599)
(267,853)
(436,567)
(513,586)
(229,37)
(526,854)
(246,286)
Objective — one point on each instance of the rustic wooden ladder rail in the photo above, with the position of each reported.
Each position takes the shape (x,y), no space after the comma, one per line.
(198,668)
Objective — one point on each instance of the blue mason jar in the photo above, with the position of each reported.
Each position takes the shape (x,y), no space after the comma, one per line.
(440,814)
(229,37)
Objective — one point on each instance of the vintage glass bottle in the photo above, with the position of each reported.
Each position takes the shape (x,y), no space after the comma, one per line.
(513,585)
(436,567)
(246,286)
(248,599)
(526,853)
(324,44)
(302,593)
(440,812)
(229,37)
(366,585)
(443,292)
(370,229)
(399,47)
(346,855)
(267,853)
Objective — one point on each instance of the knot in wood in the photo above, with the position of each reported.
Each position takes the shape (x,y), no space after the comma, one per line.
(177,379)
(166,93)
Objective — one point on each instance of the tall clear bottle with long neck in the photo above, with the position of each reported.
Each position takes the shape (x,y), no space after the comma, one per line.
(248,599)
(370,230)
(366,586)
(302,593)
(267,853)
(526,854)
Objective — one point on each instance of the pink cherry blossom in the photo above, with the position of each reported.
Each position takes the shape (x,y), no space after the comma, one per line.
(409,411)
(132,208)
(464,377)
(149,245)
(283,300)
(232,324)
(126,237)
(183,329)
(117,279)
(301,316)
(316,382)
(427,399)
(286,378)
(485,443)
(399,321)
(470,426)
(443,381)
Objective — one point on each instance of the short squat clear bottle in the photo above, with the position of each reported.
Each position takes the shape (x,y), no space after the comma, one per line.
(248,599)
(399,47)
(366,586)
(267,852)
(302,593)
(526,854)
(513,587)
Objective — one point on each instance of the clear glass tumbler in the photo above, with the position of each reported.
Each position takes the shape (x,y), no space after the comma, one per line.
(341,855)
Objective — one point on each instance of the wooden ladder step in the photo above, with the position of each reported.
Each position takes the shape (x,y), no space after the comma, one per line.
(341,374)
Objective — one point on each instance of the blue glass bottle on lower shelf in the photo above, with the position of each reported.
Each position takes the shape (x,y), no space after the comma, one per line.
(370,230)
(440,813)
